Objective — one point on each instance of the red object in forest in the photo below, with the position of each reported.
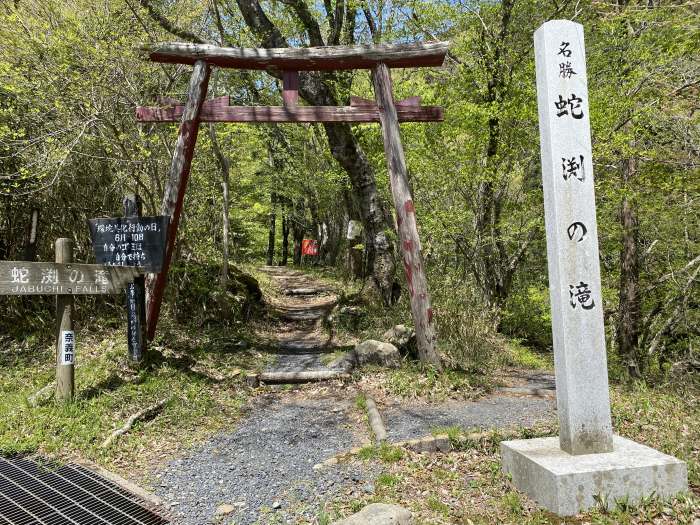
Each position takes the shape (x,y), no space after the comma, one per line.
(309,247)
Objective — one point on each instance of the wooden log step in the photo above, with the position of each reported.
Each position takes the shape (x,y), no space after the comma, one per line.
(306,376)
(375,420)
(528,391)
(304,291)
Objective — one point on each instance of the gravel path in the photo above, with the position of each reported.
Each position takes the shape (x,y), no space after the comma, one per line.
(408,422)
(264,469)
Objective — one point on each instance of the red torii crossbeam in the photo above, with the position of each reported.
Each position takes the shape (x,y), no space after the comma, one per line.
(359,111)
(287,62)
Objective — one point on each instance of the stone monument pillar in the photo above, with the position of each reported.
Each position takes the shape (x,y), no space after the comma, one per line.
(564,474)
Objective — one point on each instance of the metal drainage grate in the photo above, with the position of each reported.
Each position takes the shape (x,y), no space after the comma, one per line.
(51,494)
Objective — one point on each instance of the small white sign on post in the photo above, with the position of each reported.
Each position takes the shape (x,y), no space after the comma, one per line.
(67,356)
(354,230)
(572,239)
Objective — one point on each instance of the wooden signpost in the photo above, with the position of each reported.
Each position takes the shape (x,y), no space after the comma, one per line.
(289,62)
(132,240)
(64,279)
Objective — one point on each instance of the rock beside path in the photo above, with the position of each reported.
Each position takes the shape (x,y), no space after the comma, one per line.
(379,514)
(377,353)
(403,338)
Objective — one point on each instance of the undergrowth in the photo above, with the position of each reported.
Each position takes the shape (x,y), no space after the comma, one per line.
(199,372)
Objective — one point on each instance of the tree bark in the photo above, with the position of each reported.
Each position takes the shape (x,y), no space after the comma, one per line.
(285,240)
(32,233)
(271,232)
(629,307)
(225,167)
(406,219)
(298,230)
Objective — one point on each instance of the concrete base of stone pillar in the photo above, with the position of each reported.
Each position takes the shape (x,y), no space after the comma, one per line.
(566,484)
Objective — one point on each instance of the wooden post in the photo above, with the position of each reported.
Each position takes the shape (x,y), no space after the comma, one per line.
(290,88)
(65,336)
(135,297)
(177,183)
(406,219)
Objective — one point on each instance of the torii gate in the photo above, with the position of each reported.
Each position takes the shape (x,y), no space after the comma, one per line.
(289,61)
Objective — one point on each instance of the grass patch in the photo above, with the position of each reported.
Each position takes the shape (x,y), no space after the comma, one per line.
(519,356)
(414,380)
(453,432)
(438,506)
(200,374)
(383,452)
(467,486)
(387,480)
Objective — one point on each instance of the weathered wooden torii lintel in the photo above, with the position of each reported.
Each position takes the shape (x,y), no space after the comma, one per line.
(288,62)
(359,111)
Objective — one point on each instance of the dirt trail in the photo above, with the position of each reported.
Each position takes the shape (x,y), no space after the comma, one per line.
(298,337)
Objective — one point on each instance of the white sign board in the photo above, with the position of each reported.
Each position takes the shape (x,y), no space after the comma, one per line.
(67,356)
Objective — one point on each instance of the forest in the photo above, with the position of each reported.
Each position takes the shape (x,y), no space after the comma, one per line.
(267,383)
(73,73)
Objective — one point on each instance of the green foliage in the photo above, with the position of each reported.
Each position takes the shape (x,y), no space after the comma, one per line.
(71,75)
(386,480)
(361,401)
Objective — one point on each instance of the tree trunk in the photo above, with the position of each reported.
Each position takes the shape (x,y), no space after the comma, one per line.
(298,226)
(285,240)
(406,219)
(271,234)
(32,232)
(375,220)
(298,238)
(225,167)
(628,327)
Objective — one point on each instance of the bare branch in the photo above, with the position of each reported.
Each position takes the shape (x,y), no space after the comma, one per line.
(256,19)
(371,24)
(310,24)
(335,21)
(169,26)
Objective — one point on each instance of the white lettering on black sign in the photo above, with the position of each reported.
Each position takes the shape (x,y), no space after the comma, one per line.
(130,241)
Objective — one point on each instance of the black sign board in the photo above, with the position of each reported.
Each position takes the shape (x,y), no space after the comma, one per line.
(130,241)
